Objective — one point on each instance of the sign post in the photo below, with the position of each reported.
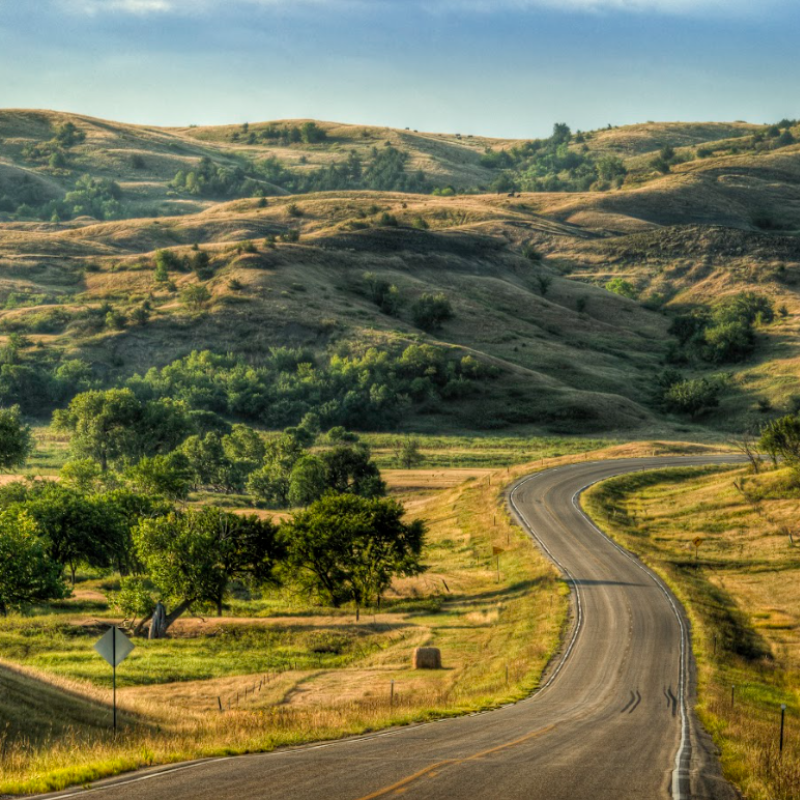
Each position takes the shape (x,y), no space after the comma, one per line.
(496,552)
(697,541)
(114,646)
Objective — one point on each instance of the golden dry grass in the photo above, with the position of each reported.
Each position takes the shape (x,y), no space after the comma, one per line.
(458,605)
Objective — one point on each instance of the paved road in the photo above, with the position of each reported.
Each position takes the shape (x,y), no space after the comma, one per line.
(613,722)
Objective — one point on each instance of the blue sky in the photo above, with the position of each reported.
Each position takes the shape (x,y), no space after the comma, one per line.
(492,67)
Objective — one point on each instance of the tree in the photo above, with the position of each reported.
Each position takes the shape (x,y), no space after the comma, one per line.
(728,341)
(195,297)
(781,439)
(169,476)
(74,529)
(16,439)
(209,464)
(693,397)
(192,556)
(431,311)
(622,287)
(114,427)
(103,425)
(27,573)
(311,133)
(307,481)
(81,474)
(408,453)
(348,548)
(351,470)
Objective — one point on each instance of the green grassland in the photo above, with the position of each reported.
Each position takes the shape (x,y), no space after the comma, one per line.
(287,672)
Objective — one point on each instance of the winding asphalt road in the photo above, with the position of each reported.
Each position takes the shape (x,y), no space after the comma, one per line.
(613,721)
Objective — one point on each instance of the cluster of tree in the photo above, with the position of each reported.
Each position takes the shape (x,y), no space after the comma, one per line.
(210,179)
(363,392)
(307,133)
(53,151)
(724,333)
(343,548)
(38,386)
(163,448)
(428,312)
(197,261)
(99,198)
(561,163)
(385,170)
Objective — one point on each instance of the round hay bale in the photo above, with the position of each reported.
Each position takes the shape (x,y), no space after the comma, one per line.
(427,658)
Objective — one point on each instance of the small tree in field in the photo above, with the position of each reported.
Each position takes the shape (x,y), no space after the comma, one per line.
(408,453)
(195,297)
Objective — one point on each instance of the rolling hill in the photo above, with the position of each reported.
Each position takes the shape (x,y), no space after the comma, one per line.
(293,214)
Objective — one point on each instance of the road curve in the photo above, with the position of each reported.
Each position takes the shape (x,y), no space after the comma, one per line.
(613,721)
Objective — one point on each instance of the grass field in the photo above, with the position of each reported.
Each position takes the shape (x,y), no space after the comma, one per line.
(321,673)
(741,587)
(286,672)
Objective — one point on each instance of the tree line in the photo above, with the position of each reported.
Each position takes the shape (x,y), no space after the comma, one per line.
(345,545)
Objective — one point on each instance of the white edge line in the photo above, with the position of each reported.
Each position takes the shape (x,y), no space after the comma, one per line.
(682,757)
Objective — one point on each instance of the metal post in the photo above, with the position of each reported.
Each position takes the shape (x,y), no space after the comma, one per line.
(219,702)
(733,695)
(783,720)
(391,695)
(114,674)
(715,644)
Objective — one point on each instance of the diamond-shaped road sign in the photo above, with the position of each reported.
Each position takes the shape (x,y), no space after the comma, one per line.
(114,646)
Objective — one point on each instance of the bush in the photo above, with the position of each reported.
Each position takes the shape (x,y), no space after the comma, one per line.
(431,311)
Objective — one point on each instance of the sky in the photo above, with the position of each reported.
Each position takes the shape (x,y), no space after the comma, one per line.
(505,68)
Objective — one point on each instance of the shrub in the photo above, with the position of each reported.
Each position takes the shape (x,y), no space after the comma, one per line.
(431,311)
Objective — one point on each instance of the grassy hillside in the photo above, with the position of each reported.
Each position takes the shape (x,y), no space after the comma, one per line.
(525,274)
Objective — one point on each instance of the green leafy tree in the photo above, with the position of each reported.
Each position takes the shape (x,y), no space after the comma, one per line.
(781,439)
(408,453)
(27,573)
(348,549)
(192,556)
(169,476)
(114,427)
(728,341)
(134,600)
(693,397)
(75,529)
(103,425)
(16,439)
(196,296)
(209,464)
(307,481)
(622,287)
(349,469)
(81,474)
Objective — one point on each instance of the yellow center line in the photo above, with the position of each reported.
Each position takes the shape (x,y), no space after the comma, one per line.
(402,785)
